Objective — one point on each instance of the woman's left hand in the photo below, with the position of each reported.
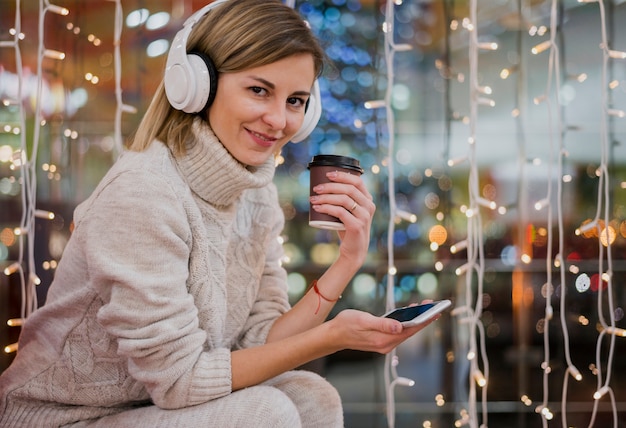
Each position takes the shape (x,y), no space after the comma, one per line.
(347,198)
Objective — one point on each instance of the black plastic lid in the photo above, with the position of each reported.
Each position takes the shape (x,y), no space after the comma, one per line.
(336,160)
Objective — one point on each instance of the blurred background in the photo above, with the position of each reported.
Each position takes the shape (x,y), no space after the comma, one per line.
(536,134)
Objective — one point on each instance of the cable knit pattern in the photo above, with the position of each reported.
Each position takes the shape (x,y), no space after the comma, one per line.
(171,265)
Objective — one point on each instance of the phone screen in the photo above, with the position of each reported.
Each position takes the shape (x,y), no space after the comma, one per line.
(408,313)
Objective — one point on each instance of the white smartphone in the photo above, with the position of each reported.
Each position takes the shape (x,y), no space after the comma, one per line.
(411,316)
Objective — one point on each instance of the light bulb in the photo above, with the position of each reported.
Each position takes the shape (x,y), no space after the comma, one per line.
(487,203)
(479,378)
(462,269)
(53,54)
(459,246)
(9,349)
(575,373)
(48,215)
(57,9)
(617,54)
(404,381)
(374,104)
(11,269)
(541,47)
(15,322)
(601,392)
(539,205)
(616,331)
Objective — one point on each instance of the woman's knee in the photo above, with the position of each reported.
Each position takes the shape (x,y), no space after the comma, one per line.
(258,406)
(317,400)
(274,408)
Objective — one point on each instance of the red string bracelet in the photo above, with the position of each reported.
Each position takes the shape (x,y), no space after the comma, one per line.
(320,296)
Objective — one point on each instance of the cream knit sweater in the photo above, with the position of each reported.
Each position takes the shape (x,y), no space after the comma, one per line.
(172,264)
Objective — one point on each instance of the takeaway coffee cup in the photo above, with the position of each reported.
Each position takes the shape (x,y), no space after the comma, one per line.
(319,166)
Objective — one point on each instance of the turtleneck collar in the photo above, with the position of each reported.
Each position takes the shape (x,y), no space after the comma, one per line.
(213,173)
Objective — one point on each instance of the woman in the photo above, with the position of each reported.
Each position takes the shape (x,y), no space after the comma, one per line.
(169,306)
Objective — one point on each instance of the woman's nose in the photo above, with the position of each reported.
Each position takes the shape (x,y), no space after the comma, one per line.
(276,116)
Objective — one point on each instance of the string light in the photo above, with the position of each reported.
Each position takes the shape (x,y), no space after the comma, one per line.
(56,9)
(375,104)
(492,205)
(47,215)
(459,310)
(456,161)
(617,54)
(391,395)
(9,349)
(486,101)
(24,160)
(403,381)
(34,279)
(459,246)
(53,54)
(391,359)
(541,47)
(616,113)
(615,331)
(600,393)
(18,157)
(121,107)
(545,412)
(487,46)
(19,231)
(586,227)
(506,72)
(574,372)
(12,268)
(539,205)
(553,78)
(603,206)
(462,270)
(473,269)
(406,216)
(15,322)
(479,378)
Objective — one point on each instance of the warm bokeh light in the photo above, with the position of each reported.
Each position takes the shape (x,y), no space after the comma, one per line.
(438,234)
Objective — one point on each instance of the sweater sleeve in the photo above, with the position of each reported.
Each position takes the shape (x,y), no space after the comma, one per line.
(272,299)
(137,246)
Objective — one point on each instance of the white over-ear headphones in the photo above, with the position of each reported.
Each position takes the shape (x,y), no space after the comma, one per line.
(190,79)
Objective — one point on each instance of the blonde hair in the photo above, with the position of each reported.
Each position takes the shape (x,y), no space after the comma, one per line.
(238,35)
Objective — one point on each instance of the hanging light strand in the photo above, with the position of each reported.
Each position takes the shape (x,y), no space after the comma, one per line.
(25,162)
(553,120)
(391,359)
(474,273)
(25,239)
(120,106)
(603,205)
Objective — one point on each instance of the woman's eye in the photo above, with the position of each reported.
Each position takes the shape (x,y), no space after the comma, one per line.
(257,90)
(296,101)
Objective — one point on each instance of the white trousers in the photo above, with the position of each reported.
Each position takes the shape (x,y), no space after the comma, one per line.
(296,399)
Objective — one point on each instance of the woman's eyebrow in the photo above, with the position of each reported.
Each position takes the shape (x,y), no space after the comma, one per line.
(273,86)
(264,82)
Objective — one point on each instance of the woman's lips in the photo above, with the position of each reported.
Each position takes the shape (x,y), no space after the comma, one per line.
(262,139)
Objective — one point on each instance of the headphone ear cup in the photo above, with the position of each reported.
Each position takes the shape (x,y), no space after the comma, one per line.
(190,85)
(190,79)
(311,115)
(204,76)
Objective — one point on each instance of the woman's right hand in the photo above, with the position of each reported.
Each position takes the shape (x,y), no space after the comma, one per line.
(362,331)
(350,329)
